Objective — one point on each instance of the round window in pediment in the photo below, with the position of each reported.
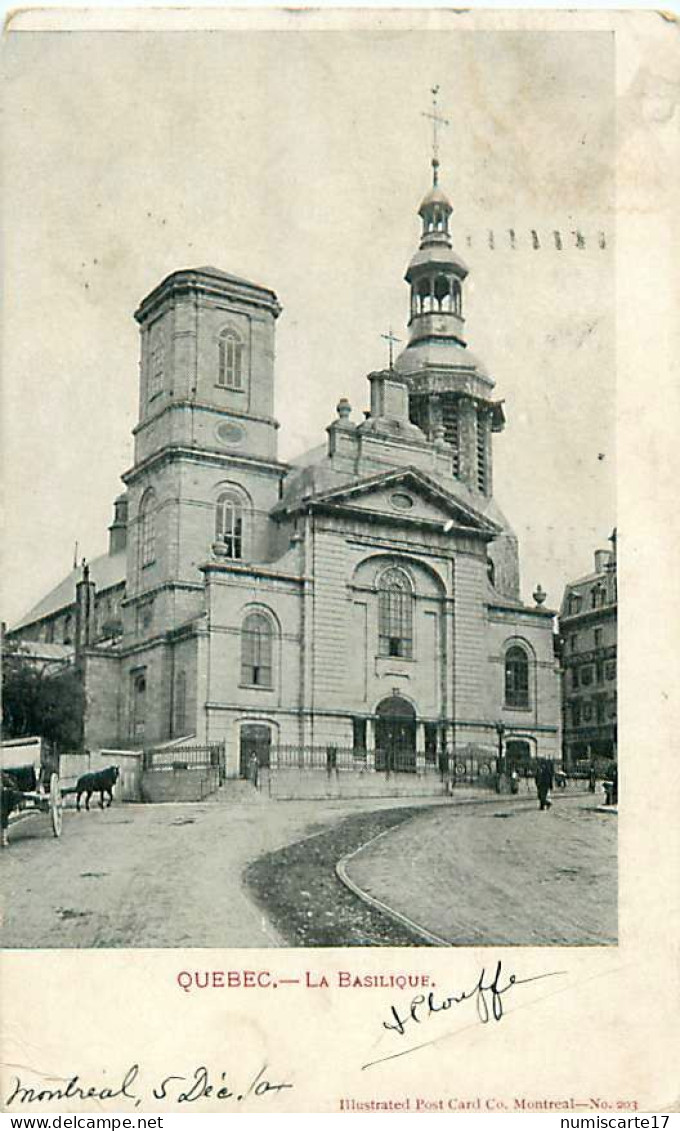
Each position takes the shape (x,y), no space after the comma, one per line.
(230,434)
(401,501)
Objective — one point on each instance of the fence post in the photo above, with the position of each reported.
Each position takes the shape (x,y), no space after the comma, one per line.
(420,748)
(370,745)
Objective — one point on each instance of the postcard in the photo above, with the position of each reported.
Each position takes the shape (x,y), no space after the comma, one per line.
(340,379)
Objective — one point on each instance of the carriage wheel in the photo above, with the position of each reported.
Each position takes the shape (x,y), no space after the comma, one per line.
(56,804)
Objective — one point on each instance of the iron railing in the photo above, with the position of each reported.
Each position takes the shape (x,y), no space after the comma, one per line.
(185,758)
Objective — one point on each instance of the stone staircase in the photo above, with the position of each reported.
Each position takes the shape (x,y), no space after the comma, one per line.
(237,791)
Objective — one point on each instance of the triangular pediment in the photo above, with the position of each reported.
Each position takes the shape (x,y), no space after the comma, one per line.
(407,494)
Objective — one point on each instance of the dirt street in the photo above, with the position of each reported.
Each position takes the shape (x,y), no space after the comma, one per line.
(150,875)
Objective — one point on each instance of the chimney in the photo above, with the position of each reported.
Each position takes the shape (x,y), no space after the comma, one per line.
(601,560)
(389,397)
(118,528)
(85,599)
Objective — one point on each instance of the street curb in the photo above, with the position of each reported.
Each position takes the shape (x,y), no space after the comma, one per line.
(377,904)
(384,908)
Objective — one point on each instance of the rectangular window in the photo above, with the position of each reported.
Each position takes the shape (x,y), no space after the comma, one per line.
(395,621)
(451,431)
(598,637)
(574,677)
(256,658)
(573,642)
(431,742)
(576,714)
(156,370)
(359,735)
(138,704)
(587,712)
(481,452)
(230,371)
(611,670)
(586,676)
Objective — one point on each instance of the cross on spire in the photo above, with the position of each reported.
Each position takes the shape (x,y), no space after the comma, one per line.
(389,337)
(437,120)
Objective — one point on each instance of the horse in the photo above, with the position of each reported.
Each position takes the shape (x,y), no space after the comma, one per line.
(100,782)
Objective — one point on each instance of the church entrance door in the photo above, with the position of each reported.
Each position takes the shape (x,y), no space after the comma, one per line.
(256,740)
(395,735)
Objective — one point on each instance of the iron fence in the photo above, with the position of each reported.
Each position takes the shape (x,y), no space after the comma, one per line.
(186,758)
(341,759)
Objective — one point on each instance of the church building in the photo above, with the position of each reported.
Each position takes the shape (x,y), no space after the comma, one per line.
(364,595)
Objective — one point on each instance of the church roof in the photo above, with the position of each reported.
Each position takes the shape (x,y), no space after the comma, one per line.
(206,278)
(312,491)
(445,353)
(217,273)
(436,195)
(49,653)
(436,255)
(106,571)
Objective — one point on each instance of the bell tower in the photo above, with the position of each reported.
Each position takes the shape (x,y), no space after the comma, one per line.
(449,387)
(207,364)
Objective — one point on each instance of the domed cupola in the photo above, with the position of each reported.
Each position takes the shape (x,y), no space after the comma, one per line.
(436,273)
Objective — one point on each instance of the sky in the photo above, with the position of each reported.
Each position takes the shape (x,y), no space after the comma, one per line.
(298,159)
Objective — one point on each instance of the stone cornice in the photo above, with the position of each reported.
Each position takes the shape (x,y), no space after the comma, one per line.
(196,282)
(170,452)
(202,406)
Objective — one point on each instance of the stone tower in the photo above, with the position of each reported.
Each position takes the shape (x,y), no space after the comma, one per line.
(205,472)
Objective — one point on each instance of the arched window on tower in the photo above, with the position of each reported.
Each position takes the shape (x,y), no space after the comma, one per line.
(457,298)
(147,528)
(424,296)
(395,615)
(257,636)
(516,677)
(229,524)
(442,292)
(230,366)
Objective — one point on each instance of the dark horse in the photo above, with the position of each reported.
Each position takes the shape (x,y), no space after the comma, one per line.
(100,782)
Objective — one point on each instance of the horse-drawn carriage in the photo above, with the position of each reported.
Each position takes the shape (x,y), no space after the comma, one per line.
(29,782)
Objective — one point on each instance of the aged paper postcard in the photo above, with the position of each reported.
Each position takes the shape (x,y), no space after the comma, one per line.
(340,618)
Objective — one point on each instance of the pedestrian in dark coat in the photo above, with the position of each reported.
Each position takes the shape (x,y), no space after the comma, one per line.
(544,782)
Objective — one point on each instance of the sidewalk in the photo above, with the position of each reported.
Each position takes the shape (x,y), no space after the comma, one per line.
(500,874)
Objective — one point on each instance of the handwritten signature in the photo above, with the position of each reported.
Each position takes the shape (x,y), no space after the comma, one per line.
(188,1088)
(487,994)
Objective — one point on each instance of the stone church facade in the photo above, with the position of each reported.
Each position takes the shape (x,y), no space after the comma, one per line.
(363,596)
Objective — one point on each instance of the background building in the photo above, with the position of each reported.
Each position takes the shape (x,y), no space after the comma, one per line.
(588,632)
(364,595)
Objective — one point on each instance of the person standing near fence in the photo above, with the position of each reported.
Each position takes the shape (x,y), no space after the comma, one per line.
(544,783)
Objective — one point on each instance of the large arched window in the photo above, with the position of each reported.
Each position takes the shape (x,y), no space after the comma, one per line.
(256,650)
(147,528)
(395,614)
(516,677)
(229,524)
(230,365)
